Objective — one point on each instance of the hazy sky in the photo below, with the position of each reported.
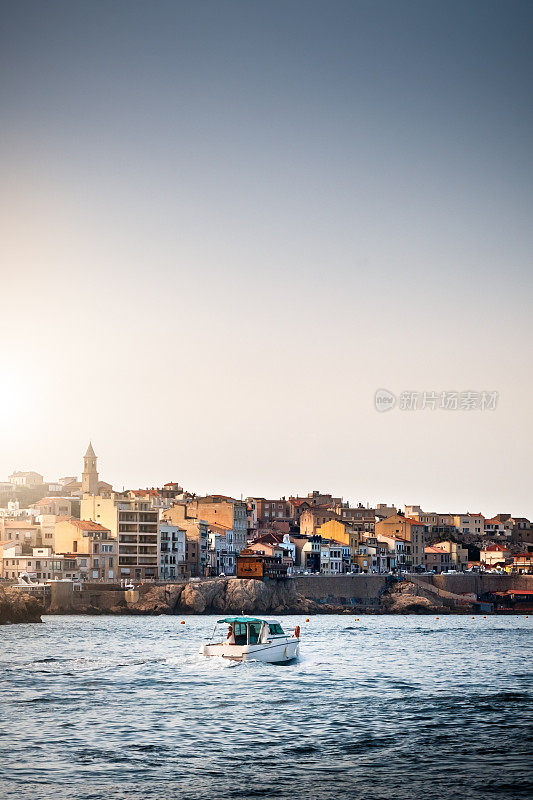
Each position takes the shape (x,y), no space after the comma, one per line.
(226,224)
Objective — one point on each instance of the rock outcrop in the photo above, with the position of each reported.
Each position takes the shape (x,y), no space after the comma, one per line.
(16,606)
(227,596)
(406,598)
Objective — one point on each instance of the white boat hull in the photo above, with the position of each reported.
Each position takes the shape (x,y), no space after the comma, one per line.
(271,652)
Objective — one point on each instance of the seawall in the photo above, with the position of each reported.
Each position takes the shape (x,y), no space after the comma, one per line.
(366,590)
(303,594)
(344,590)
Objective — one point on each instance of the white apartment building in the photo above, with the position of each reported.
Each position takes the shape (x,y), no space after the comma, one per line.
(172,541)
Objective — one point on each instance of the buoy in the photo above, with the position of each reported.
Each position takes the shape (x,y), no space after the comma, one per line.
(472,617)
(307,620)
(357,619)
(183,622)
(484,617)
(436,617)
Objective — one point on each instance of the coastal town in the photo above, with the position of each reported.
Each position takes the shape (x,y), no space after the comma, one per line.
(84,530)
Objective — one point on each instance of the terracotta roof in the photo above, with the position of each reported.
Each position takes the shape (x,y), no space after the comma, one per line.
(391,536)
(88,525)
(270,538)
(14,524)
(496,548)
(437,550)
(413,521)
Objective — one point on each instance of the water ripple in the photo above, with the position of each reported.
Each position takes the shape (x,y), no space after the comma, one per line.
(122,708)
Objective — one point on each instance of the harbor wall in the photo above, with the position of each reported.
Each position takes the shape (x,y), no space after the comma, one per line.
(348,591)
(343,590)
(478,583)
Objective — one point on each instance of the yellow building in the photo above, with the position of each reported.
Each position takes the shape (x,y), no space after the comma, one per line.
(458,554)
(92,539)
(341,532)
(398,526)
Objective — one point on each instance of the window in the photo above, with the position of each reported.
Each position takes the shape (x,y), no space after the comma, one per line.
(239,630)
(275,629)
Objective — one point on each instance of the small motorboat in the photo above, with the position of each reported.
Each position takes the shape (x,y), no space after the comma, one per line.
(254,639)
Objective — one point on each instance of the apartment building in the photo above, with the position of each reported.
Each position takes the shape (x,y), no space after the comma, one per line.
(399,549)
(361,518)
(437,559)
(21,531)
(434,522)
(470,524)
(406,528)
(26,479)
(57,506)
(314,518)
(458,555)
(269,510)
(331,557)
(183,515)
(42,564)
(88,538)
(345,533)
(495,526)
(134,524)
(172,541)
(216,509)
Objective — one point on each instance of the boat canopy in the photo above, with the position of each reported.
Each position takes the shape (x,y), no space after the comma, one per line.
(231,620)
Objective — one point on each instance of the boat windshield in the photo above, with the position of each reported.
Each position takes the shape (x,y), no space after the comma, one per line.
(246,632)
(254,629)
(275,628)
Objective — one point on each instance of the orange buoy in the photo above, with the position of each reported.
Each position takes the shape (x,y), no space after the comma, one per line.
(307,620)
(183,622)
(436,617)
(297,631)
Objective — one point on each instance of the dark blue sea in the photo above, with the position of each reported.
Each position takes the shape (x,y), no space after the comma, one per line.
(120,708)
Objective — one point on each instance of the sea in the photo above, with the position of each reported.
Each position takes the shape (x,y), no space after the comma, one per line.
(376,707)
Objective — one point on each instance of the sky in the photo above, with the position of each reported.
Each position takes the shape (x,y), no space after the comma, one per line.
(225,225)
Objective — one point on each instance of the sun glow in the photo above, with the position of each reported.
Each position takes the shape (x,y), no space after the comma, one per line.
(15,399)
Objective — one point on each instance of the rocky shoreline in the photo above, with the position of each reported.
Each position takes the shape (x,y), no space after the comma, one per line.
(244,596)
(18,607)
(240,596)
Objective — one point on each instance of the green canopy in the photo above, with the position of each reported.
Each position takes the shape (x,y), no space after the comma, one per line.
(231,620)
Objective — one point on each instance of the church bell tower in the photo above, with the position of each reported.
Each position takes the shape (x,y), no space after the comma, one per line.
(89,478)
